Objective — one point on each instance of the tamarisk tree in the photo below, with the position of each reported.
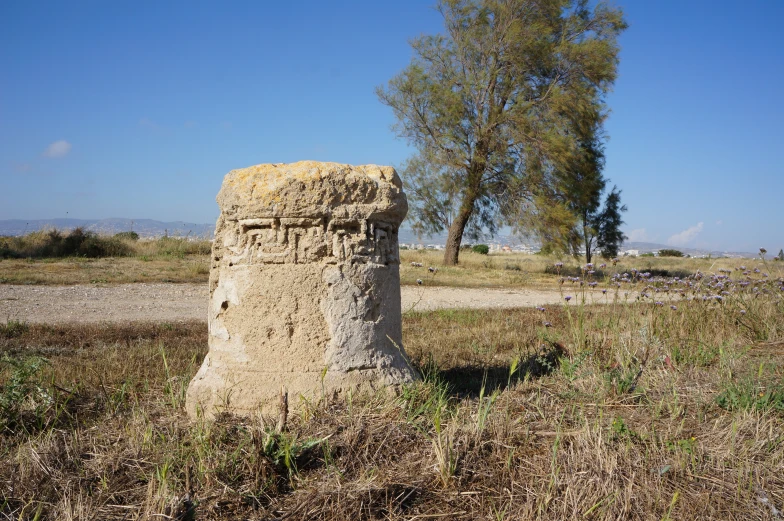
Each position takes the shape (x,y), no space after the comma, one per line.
(496,103)
(570,217)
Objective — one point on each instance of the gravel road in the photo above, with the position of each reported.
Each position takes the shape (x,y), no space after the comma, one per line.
(174,302)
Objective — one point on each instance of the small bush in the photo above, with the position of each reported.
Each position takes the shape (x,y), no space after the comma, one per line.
(670,253)
(572,271)
(13,329)
(128,236)
(482,249)
(20,394)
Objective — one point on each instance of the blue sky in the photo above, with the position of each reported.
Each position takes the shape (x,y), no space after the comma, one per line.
(120,109)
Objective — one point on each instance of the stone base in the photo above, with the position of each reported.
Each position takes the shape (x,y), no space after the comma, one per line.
(252,393)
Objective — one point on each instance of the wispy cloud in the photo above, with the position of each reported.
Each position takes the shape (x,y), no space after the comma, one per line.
(58,149)
(638,235)
(21,168)
(686,236)
(719,222)
(148,123)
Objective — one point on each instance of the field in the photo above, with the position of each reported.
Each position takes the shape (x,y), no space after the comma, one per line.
(50,258)
(33,260)
(670,406)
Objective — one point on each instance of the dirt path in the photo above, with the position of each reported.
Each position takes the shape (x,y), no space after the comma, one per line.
(173,302)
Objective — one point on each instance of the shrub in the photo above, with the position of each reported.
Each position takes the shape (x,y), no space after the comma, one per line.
(482,249)
(52,243)
(670,253)
(128,236)
(13,329)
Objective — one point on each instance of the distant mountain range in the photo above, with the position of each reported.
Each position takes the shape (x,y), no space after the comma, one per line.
(144,227)
(152,228)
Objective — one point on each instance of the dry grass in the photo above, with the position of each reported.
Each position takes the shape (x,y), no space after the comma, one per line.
(632,411)
(31,260)
(503,270)
(117,270)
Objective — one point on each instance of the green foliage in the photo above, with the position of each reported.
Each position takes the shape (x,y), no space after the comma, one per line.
(685,445)
(492,112)
(570,217)
(482,249)
(284,449)
(53,243)
(130,236)
(750,394)
(670,253)
(570,223)
(623,380)
(648,254)
(780,256)
(701,355)
(13,329)
(620,430)
(20,391)
(608,222)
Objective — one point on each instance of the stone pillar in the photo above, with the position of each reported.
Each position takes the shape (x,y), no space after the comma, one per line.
(304,287)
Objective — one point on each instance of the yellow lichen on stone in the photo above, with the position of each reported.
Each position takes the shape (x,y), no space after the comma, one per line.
(271,189)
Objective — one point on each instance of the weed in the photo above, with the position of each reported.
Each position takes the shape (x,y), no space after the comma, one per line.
(13,328)
(750,394)
(22,399)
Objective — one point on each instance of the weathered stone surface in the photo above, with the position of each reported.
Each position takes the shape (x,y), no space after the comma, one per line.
(304,286)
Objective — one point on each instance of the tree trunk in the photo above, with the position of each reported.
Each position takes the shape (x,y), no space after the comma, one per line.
(588,242)
(455,237)
(473,183)
(587,239)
